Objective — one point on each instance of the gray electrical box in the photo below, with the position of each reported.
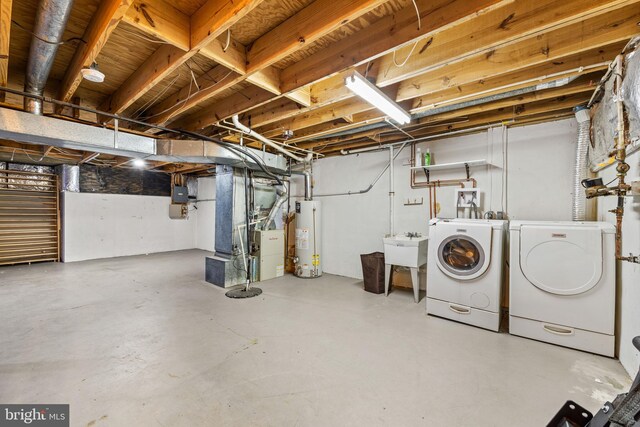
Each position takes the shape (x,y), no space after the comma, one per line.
(180,195)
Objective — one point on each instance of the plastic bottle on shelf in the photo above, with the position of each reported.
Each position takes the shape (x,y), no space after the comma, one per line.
(418,157)
(427,158)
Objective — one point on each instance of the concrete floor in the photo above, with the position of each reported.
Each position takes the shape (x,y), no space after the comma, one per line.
(145,341)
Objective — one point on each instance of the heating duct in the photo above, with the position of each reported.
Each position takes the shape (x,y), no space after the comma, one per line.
(579,205)
(51,20)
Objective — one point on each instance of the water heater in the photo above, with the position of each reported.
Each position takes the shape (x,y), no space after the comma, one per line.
(308,263)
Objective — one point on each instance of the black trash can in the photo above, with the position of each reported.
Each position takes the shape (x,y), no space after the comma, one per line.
(373,272)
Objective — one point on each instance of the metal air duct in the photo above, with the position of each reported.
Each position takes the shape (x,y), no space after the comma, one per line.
(51,20)
(579,202)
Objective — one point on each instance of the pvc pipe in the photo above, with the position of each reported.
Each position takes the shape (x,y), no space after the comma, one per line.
(267,141)
(391,192)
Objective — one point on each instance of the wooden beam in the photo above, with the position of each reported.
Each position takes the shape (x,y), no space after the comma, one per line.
(320,115)
(162,20)
(615,26)
(583,85)
(161,63)
(330,61)
(552,112)
(234,57)
(279,109)
(495,28)
(5,37)
(385,35)
(314,21)
(503,114)
(211,20)
(566,67)
(302,96)
(215,17)
(255,63)
(214,81)
(242,101)
(102,24)
(87,157)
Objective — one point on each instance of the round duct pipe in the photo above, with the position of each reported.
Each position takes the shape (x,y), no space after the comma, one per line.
(581,166)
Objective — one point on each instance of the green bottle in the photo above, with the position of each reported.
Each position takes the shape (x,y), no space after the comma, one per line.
(427,158)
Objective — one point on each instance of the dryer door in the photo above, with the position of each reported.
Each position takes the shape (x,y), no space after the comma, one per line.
(561,261)
(465,253)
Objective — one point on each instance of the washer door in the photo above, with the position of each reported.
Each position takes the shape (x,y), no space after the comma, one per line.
(461,256)
(561,261)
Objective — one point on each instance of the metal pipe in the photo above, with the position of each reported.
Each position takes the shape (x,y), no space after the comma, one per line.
(373,183)
(308,188)
(51,20)
(424,138)
(267,141)
(621,155)
(282,197)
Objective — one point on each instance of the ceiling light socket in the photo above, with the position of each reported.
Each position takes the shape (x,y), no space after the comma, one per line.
(93,74)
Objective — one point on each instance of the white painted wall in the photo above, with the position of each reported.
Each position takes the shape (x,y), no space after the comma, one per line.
(112,225)
(538,182)
(206,214)
(628,274)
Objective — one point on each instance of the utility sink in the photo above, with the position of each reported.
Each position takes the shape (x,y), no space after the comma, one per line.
(405,251)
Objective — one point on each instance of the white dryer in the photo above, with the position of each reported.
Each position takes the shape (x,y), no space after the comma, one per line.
(562,283)
(464,270)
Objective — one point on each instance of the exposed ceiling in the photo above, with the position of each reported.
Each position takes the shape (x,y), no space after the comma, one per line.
(281,64)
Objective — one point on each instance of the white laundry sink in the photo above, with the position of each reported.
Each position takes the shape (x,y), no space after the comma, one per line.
(405,251)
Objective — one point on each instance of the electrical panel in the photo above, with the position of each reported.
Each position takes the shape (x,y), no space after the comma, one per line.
(180,194)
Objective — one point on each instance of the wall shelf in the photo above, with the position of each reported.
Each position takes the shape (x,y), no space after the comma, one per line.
(455,165)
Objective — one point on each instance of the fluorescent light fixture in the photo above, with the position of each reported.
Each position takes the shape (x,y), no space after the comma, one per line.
(374,96)
(139,163)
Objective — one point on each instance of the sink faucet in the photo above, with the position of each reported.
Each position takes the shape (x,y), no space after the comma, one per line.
(413,234)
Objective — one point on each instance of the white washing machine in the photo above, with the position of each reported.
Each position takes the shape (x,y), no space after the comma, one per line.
(562,283)
(464,270)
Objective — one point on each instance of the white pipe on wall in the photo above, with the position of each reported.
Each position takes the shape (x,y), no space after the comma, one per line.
(391,193)
(267,141)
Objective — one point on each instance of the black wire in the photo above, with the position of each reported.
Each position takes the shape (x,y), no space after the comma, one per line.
(47,41)
(607,184)
(235,149)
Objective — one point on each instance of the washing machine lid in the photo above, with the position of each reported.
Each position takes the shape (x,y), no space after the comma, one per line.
(561,260)
(464,249)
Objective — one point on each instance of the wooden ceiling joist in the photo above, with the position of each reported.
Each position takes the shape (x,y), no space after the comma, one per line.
(102,24)
(5,38)
(618,25)
(255,64)
(497,27)
(382,37)
(314,21)
(367,44)
(582,85)
(211,20)
(162,20)
(566,67)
